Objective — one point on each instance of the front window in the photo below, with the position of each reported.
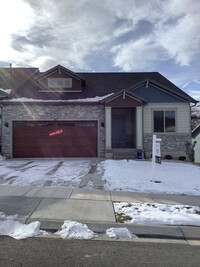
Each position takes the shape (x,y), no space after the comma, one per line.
(164,121)
(59,82)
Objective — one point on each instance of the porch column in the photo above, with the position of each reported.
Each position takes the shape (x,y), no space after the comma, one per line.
(108,127)
(139,128)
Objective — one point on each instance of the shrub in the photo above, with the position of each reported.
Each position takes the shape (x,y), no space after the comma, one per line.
(189,149)
(168,157)
(182,158)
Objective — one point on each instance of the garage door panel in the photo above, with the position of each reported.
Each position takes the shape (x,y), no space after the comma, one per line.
(39,139)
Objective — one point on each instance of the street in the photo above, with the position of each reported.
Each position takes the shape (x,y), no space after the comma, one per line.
(57,252)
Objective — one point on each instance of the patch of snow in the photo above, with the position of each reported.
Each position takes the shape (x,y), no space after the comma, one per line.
(40,172)
(118,175)
(159,214)
(8,91)
(122,232)
(92,99)
(136,176)
(75,230)
(17,230)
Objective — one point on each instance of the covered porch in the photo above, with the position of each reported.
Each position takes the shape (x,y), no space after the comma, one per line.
(123,125)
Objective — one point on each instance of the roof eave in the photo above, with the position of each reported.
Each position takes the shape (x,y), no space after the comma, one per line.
(114,96)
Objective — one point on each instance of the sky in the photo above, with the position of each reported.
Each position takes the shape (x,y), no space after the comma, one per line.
(105,36)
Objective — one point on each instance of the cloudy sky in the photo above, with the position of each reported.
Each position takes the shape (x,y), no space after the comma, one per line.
(106,35)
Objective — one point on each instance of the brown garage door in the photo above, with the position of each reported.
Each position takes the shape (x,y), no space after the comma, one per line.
(54,139)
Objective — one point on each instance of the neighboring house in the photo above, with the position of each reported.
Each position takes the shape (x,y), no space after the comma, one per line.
(196,137)
(60,113)
(3,95)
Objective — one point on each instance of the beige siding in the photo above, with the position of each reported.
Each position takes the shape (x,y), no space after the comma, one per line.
(197,149)
(183,124)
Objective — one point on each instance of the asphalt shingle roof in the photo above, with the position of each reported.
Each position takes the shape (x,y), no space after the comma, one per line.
(95,84)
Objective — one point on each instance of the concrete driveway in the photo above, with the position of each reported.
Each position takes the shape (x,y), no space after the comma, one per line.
(73,173)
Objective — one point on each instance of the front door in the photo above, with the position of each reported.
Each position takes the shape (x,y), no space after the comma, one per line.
(123,127)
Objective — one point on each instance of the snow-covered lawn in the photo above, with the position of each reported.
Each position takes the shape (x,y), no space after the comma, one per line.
(136,176)
(121,175)
(157,214)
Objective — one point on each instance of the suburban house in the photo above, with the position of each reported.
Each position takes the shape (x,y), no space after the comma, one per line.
(196,138)
(61,113)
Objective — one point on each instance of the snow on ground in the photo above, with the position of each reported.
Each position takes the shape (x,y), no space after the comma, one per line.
(133,175)
(148,213)
(43,172)
(120,175)
(10,227)
(121,232)
(75,230)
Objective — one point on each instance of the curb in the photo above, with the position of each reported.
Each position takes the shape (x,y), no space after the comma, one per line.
(143,231)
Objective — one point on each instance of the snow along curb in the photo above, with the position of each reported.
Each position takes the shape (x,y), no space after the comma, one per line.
(151,231)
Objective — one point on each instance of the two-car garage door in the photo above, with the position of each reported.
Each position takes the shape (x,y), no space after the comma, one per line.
(54,139)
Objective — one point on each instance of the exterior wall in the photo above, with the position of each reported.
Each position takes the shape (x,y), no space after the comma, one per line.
(172,143)
(153,94)
(197,149)
(183,117)
(51,112)
(76,84)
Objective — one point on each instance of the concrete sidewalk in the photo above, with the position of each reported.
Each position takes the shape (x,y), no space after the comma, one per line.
(52,205)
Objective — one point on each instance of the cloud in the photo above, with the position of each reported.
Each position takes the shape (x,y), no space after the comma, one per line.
(137,55)
(129,35)
(181,41)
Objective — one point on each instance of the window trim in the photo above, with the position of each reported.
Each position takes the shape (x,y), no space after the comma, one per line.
(57,80)
(164,110)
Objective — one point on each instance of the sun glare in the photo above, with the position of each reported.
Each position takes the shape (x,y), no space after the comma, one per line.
(15,18)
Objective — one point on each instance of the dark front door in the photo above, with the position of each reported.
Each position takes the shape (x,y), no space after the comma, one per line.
(123,127)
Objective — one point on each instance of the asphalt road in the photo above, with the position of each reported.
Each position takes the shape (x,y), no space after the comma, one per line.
(57,252)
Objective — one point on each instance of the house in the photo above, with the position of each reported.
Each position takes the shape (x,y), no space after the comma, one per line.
(196,138)
(61,113)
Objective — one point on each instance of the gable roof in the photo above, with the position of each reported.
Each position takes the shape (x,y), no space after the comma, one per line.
(58,68)
(124,93)
(94,84)
(4,94)
(118,81)
(196,132)
(13,78)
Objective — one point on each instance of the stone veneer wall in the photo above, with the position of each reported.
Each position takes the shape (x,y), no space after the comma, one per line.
(51,112)
(173,145)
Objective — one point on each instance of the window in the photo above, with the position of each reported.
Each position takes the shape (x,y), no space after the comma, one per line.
(60,82)
(164,121)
